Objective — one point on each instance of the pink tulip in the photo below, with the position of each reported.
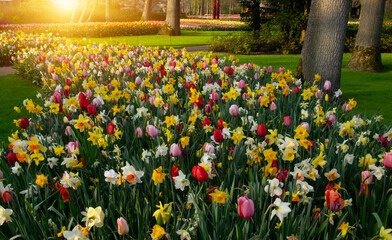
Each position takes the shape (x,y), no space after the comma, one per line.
(246,207)
(318,94)
(96,102)
(270,69)
(273,106)
(257,76)
(388,160)
(250,66)
(139,132)
(209,148)
(72,146)
(215,96)
(207,108)
(68,131)
(175,150)
(265,69)
(123,227)
(280,70)
(234,111)
(367,177)
(89,94)
(241,84)
(152,131)
(57,97)
(305,125)
(287,121)
(327,85)
(245,96)
(55,77)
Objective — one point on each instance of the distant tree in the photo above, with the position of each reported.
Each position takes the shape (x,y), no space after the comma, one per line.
(322,52)
(172,22)
(366,55)
(108,5)
(147,10)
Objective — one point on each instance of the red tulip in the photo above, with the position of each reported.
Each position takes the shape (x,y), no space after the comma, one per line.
(174,171)
(24,123)
(11,158)
(111,127)
(261,130)
(334,201)
(220,124)
(91,110)
(246,207)
(64,194)
(206,121)
(218,137)
(199,173)
(7,197)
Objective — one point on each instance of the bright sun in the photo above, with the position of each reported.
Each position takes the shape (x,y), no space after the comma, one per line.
(64,3)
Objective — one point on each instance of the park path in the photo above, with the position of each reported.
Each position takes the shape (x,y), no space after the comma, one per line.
(6,70)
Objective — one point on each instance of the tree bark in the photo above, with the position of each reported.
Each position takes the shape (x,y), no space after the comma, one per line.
(366,55)
(214,9)
(172,22)
(147,10)
(322,52)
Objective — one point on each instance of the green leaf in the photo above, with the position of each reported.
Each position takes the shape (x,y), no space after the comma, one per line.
(378,219)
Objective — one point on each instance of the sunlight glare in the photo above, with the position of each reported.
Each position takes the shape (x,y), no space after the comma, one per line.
(67,4)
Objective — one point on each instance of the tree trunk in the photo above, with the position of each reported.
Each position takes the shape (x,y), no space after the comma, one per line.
(146,10)
(82,15)
(322,52)
(217,9)
(172,22)
(107,10)
(366,55)
(92,11)
(214,9)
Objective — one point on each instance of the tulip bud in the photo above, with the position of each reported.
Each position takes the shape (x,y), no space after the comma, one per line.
(287,121)
(246,207)
(91,110)
(11,158)
(139,132)
(305,125)
(261,130)
(265,69)
(24,123)
(327,85)
(208,147)
(218,137)
(207,108)
(220,123)
(388,160)
(234,111)
(199,173)
(7,197)
(175,150)
(367,177)
(152,131)
(174,172)
(281,69)
(215,96)
(68,131)
(270,69)
(250,66)
(123,227)
(110,128)
(273,106)
(241,84)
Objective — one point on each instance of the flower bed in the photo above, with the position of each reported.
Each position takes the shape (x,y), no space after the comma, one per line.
(104,29)
(153,143)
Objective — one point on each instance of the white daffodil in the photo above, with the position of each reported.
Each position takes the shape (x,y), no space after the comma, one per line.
(111,176)
(180,182)
(273,187)
(281,209)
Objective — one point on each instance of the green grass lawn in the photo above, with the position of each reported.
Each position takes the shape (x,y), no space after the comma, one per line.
(188,38)
(14,90)
(372,91)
